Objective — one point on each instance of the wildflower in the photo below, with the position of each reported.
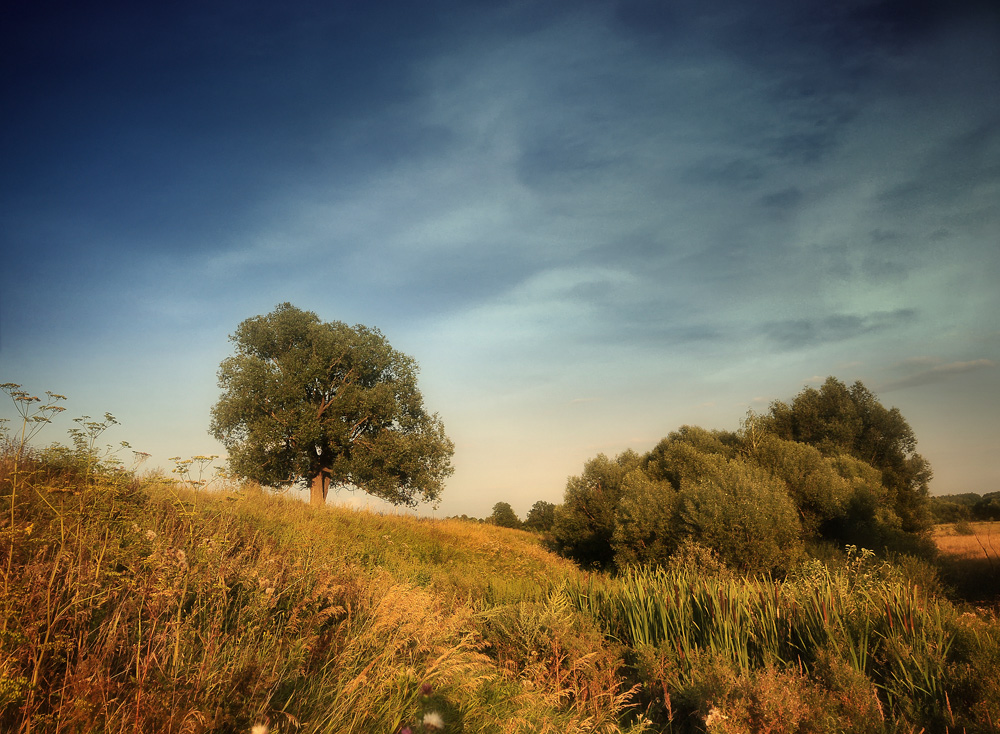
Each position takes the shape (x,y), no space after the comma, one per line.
(714,717)
(426,689)
(150,535)
(259,729)
(406,730)
(433,720)
(181,556)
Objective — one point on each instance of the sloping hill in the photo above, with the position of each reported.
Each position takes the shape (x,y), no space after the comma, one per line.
(132,607)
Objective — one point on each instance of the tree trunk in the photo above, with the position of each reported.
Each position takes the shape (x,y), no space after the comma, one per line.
(318,489)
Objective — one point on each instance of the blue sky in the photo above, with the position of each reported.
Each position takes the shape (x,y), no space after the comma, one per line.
(590,223)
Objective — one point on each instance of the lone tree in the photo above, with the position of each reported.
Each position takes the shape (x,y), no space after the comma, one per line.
(504,516)
(328,404)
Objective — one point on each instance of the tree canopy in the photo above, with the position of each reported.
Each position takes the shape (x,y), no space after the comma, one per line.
(841,420)
(541,516)
(323,403)
(504,516)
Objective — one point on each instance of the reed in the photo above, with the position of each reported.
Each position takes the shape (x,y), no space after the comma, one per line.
(873,621)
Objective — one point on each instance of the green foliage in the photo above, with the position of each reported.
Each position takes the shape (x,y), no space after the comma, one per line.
(325,403)
(684,453)
(812,480)
(585,522)
(540,517)
(837,420)
(834,466)
(504,516)
(744,514)
(646,524)
(944,511)
(964,527)
(967,506)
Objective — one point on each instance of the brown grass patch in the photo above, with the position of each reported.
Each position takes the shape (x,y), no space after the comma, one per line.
(970,563)
(984,542)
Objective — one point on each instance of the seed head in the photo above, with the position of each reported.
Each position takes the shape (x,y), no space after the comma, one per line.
(433,720)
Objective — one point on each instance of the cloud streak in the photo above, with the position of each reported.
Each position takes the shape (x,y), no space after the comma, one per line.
(938,373)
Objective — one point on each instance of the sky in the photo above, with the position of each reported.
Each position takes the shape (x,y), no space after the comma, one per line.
(590,223)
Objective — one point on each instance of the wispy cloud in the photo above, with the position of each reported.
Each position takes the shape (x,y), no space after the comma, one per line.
(938,373)
(797,333)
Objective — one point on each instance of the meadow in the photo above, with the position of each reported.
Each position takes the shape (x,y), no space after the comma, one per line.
(134,604)
(971,540)
(970,559)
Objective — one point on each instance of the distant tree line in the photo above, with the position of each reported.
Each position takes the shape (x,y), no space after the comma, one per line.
(833,465)
(967,506)
(539,518)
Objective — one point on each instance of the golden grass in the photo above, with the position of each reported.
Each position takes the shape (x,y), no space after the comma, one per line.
(133,606)
(983,543)
(150,606)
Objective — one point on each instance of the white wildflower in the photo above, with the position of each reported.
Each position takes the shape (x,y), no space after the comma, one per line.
(259,729)
(433,720)
(715,717)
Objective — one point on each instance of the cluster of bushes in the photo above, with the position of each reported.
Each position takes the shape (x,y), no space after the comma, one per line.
(833,466)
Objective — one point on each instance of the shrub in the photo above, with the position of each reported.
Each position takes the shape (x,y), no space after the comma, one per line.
(743,513)
(820,493)
(964,527)
(646,529)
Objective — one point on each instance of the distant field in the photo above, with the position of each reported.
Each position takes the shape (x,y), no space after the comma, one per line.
(970,563)
(983,543)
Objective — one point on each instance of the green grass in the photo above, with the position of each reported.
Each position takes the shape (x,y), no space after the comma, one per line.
(135,605)
(896,645)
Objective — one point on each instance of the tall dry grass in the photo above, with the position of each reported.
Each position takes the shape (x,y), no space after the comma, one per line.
(136,604)
(142,605)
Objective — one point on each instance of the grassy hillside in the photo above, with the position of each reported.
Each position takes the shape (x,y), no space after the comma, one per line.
(132,605)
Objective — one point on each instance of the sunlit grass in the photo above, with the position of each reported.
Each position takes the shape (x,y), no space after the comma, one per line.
(146,605)
(981,540)
(970,559)
(150,606)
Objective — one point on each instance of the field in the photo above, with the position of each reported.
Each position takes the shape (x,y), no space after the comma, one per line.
(981,540)
(970,558)
(136,604)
